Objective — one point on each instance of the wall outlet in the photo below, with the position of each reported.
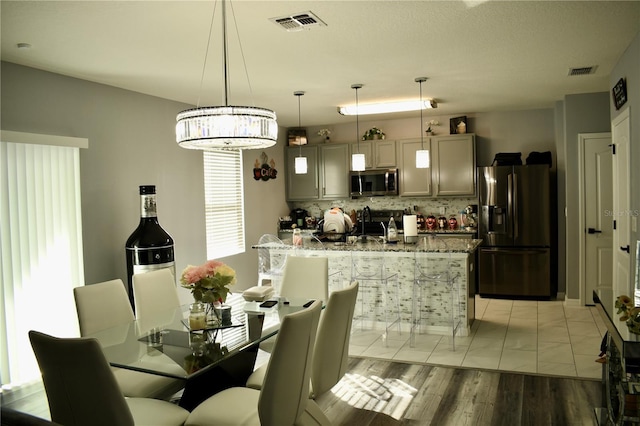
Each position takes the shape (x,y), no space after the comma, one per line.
(442,211)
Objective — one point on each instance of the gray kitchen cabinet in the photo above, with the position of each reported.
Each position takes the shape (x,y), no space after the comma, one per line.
(303,187)
(412,182)
(379,154)
(453,167)
(334,171)
(453,161)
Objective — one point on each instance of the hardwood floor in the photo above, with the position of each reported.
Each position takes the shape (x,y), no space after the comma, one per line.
(378,392)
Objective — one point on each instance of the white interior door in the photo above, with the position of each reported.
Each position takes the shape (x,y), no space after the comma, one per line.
(598,220)
(621,212)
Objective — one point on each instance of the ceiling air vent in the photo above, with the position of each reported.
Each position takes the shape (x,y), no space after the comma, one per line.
(583,70)
(298,22)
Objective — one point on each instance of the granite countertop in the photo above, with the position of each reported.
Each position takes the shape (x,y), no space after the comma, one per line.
(420,231)
(424,244)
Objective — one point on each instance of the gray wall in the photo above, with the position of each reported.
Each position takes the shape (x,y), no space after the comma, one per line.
(628,67)
(132,142)
(585,113)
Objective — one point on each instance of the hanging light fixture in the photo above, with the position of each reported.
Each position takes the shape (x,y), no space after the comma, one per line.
(358,162)
(226,127)
(422,155)
(300,161)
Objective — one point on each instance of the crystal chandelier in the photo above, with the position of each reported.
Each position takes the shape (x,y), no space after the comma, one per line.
(226,127)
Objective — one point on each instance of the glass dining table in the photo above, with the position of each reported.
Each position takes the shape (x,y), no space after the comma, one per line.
(208,360)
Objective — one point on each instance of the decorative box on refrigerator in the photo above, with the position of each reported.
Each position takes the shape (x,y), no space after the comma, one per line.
(515,211)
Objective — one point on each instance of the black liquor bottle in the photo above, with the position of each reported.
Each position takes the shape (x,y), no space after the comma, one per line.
(149,247)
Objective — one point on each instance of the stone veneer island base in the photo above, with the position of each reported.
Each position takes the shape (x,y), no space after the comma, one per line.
(437,253)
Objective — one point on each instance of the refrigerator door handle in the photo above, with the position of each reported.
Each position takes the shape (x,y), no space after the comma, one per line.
(510,203)
(515,216)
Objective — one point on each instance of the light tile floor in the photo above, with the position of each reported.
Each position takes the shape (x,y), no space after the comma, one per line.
(544,337)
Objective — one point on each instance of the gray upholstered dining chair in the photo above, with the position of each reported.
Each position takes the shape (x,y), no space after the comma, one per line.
(285,391)
(330,354)
(105,305)
(82,390)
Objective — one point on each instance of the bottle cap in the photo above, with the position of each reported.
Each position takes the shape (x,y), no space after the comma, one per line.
(147,189)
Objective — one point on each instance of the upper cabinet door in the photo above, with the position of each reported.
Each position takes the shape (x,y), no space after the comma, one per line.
(379,154)
(334,171)
(303,187)
(385,154)
(412,182)
(454,165)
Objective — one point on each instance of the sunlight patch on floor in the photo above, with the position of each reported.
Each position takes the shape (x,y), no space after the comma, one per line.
(387,396)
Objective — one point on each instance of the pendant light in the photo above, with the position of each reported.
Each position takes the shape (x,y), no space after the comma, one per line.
(358,162)
(300,161)
(226,127)
(422,155)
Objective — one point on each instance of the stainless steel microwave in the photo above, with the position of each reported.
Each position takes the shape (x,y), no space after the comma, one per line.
(374,182)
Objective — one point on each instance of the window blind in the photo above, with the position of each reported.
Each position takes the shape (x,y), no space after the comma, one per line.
(41,257)
(224,203)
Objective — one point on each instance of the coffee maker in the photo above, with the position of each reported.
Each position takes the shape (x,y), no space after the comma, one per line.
(298,216)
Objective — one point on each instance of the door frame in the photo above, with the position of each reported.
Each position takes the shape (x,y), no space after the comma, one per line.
(582,239)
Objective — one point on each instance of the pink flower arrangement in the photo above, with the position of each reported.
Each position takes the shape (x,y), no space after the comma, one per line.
(210,282)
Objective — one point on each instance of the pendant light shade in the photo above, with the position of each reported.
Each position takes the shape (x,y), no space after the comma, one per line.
(423,159)
(226,127)
(300,165)
(358,161)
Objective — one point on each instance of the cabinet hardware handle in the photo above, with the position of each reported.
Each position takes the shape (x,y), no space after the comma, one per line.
(594,231)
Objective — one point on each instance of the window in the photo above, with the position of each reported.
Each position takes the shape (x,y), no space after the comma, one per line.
(224,203)
(41,235)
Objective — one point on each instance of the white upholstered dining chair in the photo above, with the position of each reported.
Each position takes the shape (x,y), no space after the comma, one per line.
(82,390)
(285,391)
(330,354)
(105,305)
(305,278)
(155,297)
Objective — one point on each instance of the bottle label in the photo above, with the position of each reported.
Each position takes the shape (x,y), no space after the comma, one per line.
(151,255)
(148,205)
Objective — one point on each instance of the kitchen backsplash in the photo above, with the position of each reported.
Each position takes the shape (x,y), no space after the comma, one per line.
(426,206)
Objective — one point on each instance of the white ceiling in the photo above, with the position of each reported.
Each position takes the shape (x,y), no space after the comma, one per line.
(478,55)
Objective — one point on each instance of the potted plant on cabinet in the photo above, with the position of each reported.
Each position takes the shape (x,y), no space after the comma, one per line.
(373,133)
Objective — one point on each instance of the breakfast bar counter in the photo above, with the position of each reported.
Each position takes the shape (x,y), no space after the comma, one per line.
(439,254)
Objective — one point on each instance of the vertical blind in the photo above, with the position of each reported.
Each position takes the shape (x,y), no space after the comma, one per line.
(224,203)
(41,250)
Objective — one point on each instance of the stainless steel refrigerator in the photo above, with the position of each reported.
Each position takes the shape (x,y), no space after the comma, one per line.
(515,207)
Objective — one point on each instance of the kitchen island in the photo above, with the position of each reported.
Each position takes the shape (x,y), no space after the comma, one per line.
(438,253)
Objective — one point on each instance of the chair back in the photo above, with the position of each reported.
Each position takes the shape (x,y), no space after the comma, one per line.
(155,297)
(331,352)
(285,390)
(78,381)
(265,263)
(101,306)
(431,269)
(367,259)
(305,278)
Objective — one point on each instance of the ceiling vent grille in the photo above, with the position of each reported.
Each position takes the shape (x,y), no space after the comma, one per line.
(583,70)
(298,22)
